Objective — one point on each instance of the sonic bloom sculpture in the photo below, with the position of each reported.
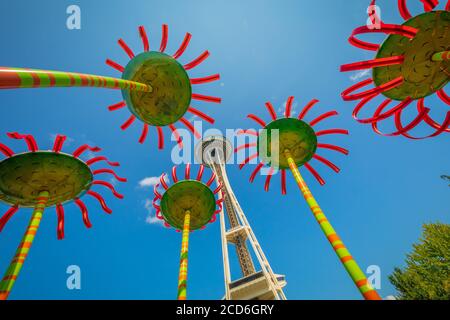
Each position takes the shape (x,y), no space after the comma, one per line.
(411,64)
(186,205)
(41,179)
(156,88)
(171,96)
(289,143)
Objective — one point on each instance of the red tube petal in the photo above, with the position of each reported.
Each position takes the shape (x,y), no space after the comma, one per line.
(249,132)
(315,174)
(183,46)
(219,187)
(428,120)
(128,123)
(211,179)
(429,4)
(29,139)
(200,172)
(100,200)
(165,35)
(327,162)
(443,96)
(323,117)
(8,214)
(201,115)
(378,116)
(109,171)
(347,96)
(109,186)
(283,181)
(162,180)
(78,152)
(144,133)
(174,174)
(255,172)
(160,138)
(245,146)
(144,38)
(155,191)
(306,108)
(271,110)
(191,128)
(176,135)
(257,120)
(156,206)
(331,131)
(60,229)
(197,60)
(187,171)
(115,65)
(380,62)
(102,158)
(404,12)
(400,129)
(206,79)
(126,48)
(117,106)
(268,178)
(84,213)
(405,31)
(398,124)
(59,141)
(247,160)
(332,147)
(201,97)
(289,106)
(6,150)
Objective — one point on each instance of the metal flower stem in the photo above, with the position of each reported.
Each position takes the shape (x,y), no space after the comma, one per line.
(355,272)
(16,264)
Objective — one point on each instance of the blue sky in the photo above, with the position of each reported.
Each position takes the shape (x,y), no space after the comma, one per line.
(264,50)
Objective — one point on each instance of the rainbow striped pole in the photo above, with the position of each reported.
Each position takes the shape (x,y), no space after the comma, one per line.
(355,272)
(19,78)
(22,251)
(441,56)
(182,276)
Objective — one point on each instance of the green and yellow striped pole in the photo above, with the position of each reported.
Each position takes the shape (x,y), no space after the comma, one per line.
(441,56)
(355,272)
(182,276)
(19,78)
(22,251)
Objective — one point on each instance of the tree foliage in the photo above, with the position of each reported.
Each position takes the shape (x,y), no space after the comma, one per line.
(427,272)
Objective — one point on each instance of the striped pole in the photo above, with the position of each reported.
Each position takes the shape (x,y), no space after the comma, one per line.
(441,56)
(22,251)
(19,78)
(182,276)
(355,272)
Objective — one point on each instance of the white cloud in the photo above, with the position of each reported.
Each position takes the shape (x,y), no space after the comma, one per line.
(68,141)
(148,182)
(390,298)
(282,109)
(151,216)
(360,74)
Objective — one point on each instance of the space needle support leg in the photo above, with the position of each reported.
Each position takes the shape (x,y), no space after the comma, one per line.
(441,56)
(355,272)
(16,264)
(182,276)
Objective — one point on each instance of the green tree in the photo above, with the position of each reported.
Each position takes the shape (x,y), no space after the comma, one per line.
(427,272)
